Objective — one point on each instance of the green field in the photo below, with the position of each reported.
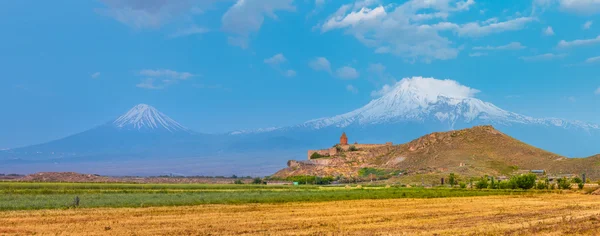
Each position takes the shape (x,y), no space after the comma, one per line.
(28,196)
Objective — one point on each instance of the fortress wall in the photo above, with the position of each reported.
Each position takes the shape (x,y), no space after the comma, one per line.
(324,152)
(333,151)
(366,146)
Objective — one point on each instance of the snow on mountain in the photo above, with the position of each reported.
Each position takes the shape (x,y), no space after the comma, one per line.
(145,117)
(420,99)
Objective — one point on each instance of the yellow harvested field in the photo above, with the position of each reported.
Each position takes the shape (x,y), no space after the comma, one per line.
(543,214)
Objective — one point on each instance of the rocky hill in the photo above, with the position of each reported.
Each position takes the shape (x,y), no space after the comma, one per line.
(477,151)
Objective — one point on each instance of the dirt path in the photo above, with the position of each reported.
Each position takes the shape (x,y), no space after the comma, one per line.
(496,215)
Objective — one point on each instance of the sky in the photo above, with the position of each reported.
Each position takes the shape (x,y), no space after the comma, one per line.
(223,65)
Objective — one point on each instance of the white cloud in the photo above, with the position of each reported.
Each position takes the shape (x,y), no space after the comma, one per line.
(477,54)
(319,5)
(320,64)
(95,75)
(585,7)
(149,83)
(378,93)
(587,25)
(142,14)
(276,60)
(404,29)
(166,73)
(543,57)
(593,59)
(247,17)
(578,42)
(347,72)
(351,89)
(549,31)
(376,68)
(510,46)
(192,30)
(161,78)
(597,92)
(353,18)
(581,7)
(290,73)
(477,29)
(430,88)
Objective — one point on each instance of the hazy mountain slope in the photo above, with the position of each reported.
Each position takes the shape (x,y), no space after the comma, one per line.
(143,131)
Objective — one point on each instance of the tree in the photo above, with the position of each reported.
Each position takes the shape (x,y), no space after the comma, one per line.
(493,183)
(257,180)
(452,179)
(576,180)
(564,183)
(526,181)
(482,183)
(238,181)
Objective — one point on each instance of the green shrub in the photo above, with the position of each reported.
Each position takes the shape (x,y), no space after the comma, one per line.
(564,183)
(541,185)
(482,183)
(462,185)
(316,155)
(352,148)
(508,184)
(306,179)
(365,172)
(580,185)
(238,181)
(577,180)
(257,180)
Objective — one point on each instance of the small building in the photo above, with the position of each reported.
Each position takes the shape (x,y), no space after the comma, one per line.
(538,172)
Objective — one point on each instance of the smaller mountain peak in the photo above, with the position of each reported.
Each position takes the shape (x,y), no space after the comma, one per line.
(143,116)
(143,107)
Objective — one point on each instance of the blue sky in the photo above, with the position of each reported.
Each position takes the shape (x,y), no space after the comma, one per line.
(222,65)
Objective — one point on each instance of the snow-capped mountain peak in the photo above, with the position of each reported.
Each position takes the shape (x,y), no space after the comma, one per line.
(145,117)
(421,100)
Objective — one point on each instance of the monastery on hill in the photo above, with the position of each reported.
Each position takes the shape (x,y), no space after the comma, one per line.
(342,146)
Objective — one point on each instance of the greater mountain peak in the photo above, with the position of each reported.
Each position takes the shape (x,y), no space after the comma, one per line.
(422,100)
(146,117)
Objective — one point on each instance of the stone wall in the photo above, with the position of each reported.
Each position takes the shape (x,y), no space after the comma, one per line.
(324,152)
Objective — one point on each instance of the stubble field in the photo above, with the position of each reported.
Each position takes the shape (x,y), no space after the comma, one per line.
(538,214)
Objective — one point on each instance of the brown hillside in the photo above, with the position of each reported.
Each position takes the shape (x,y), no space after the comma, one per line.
(481,150)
